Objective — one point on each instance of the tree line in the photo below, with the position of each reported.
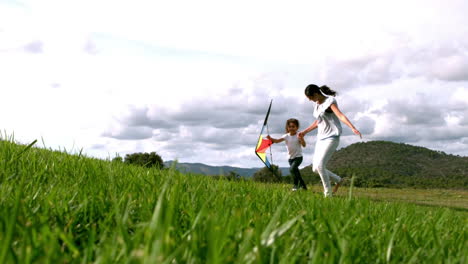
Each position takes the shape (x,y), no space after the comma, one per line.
(372,164)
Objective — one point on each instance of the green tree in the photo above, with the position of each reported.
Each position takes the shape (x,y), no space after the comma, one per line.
(233,176)
(145,159)
(309,176)
(268,175)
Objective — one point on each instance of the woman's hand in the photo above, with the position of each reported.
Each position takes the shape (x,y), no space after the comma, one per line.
(355,131)
(344,119)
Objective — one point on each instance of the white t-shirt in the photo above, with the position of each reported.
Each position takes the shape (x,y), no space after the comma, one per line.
(293,146)
(328,123)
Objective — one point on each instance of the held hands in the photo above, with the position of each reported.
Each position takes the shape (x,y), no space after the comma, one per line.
(301,134)
(301,140)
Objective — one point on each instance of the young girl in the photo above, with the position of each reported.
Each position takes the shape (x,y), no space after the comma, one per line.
(328,117)
(294,144)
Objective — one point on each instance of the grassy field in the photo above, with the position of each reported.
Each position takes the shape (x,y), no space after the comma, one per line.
(455,199)
(61,208)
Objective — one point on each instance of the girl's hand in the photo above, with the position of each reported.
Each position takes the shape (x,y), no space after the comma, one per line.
(301,134)
(270,138)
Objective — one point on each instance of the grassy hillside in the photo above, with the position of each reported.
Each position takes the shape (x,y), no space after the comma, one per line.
(388,164)
(61,208)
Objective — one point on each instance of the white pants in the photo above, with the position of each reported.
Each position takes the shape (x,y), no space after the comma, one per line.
(324,149)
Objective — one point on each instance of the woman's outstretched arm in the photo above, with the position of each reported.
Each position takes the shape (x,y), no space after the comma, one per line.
(310,128)
(344,119)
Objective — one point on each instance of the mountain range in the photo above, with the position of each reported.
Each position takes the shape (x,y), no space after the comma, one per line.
(200,168)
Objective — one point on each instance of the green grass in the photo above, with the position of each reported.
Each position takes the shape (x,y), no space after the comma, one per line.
(455,199)
(62,208)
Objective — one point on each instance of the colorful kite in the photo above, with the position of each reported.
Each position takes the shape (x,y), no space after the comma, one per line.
(264,143)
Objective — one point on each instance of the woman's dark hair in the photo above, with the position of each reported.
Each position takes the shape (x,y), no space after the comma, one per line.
(312,89)
(292,120)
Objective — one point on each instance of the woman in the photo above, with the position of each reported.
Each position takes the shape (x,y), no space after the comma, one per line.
(328,117)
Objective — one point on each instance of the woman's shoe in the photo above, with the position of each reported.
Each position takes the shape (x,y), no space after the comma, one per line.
(337,185)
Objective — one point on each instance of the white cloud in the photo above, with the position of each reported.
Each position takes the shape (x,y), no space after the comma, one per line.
(192,79)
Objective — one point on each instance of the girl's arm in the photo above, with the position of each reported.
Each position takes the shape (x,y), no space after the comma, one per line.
(307,130)
(274,140)
(344,119)
(302,141)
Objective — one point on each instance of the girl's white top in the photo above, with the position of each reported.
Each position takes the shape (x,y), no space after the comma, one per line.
(328,123)
(293,145)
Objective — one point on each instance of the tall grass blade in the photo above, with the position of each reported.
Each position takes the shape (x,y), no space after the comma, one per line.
(11,222)
(396,227)
(351,187)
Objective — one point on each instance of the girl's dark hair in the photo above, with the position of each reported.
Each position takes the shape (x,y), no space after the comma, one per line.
(312,89)
(292,120)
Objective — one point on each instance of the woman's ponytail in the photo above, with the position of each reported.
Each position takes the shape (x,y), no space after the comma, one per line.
(326,90)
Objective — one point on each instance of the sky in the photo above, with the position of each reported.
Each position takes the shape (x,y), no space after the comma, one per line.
(192,80)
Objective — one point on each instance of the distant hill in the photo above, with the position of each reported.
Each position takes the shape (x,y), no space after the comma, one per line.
(383,163)
(375,164)
(200,168)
